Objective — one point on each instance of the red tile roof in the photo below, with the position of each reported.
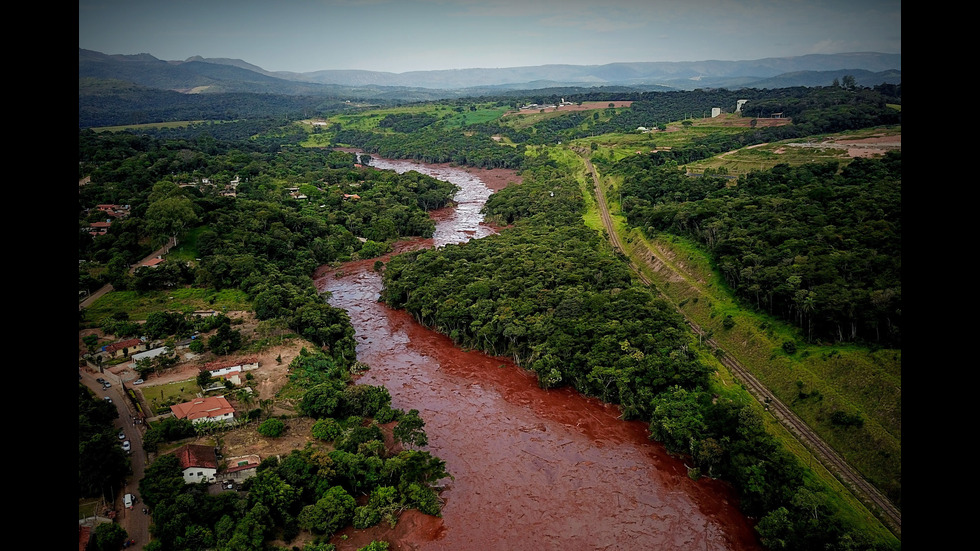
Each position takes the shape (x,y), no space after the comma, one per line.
(244,467)
(212,406)
(193,455)
(123,344)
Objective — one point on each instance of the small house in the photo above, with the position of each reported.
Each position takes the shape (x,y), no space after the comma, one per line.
(199,410)
(198,463)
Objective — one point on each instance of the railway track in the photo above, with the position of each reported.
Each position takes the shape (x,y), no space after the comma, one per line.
(866,492)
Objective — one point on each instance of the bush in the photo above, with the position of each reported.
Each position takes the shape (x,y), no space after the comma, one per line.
(789,347)
(273,428)
(327,429)
(844,419)
(366,517)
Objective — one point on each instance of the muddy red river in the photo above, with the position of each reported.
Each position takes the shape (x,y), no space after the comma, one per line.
(532,469)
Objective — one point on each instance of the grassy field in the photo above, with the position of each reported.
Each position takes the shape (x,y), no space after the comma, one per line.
(172,124)
(186,251)
(161,397)
(139,305)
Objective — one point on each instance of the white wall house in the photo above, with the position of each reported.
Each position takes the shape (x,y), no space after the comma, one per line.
(199,463)
(211,408)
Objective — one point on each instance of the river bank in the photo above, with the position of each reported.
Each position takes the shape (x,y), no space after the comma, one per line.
(532,468)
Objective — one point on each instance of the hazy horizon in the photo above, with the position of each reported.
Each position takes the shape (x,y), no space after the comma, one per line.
(421,35)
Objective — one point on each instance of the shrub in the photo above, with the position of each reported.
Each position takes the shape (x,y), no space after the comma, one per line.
(327,429)
(844,419)
(273,428)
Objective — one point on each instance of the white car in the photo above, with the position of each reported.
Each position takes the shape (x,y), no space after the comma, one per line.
(138,382)
(128,501)
(122,435)
(125,446)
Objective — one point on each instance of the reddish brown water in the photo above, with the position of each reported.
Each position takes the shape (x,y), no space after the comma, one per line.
(533,469)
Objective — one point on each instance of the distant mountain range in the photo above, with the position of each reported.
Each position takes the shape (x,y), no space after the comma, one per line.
(199,75)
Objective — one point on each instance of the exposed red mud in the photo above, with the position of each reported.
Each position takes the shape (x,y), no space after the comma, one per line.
(533,469)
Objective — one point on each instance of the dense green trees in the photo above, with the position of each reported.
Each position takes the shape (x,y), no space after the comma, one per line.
(265,242)
(816,245)
(556,300)
(102,464)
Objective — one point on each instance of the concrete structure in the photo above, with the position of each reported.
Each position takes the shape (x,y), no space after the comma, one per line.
(715,111)
(150,354)
(241,468)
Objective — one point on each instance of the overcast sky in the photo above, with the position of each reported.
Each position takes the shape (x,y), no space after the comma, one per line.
(411,35)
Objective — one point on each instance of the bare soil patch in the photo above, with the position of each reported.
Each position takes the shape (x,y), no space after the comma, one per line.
(737,121)
(586,106)
(859,147)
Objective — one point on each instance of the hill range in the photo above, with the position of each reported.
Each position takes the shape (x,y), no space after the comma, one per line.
(217,75)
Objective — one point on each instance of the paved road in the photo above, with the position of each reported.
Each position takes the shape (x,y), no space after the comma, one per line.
(134,521)
(136,524)
(848,476)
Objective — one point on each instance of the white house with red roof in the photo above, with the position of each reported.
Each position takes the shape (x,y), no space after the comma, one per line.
(211,408)
(198,463)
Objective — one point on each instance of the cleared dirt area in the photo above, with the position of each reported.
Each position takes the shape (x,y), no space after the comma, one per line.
(585,106)
(738,121)
(858,147)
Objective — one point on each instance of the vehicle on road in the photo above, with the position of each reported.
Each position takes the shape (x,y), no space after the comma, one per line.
(128,501)
(122,435)
(107,399)
(100,380)
(125,446)
(138,382)
(106,384)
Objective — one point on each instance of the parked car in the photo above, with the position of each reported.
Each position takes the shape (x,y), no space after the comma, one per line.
(138,382)
(128,501)
(228,485)
(122,435)
(106,384)
(100,380)
(125,446)
(107,399)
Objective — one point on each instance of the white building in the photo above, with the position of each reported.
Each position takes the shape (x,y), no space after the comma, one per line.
(199,463)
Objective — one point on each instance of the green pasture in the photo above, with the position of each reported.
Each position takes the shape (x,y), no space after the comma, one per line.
(171,124)
(161,397)
(139,305)
(467,117)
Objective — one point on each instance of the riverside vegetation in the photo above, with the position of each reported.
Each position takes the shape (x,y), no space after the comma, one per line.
(809,252)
